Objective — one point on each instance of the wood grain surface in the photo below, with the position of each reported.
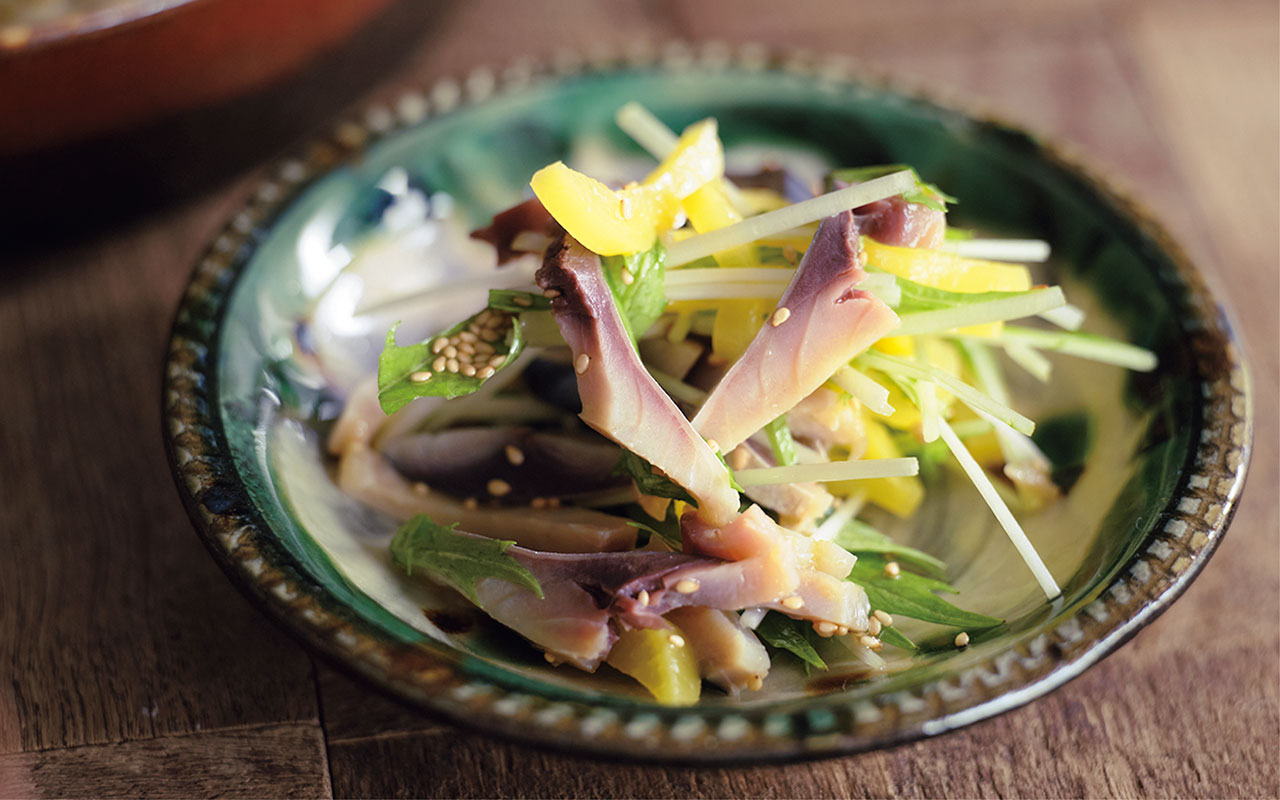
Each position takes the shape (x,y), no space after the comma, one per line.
(129,666)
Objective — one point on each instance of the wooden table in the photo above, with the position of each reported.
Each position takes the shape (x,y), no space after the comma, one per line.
(130,666)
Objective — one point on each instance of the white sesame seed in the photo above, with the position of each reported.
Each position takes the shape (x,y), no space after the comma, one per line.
(874,627)
(467,336)
(439,344)
(468,370)
(687,586)
(451,352)
(538,502)
(643,597)
(627,277)
(497,360)
(868,641)
(498,487)
(842,631)
(884,617)
(795,602)
(484,348)
(755,683)
(714,445)
(420,488)
(551,294)
(439,364)
(624,206)
(676,640)
(892,569)
(553,502)
(514,454)
(421,376)
(451,365)
(581,363)
(825,629)
(741,458)
(790,254)
(484,372)
(550,658)
(470,504)
(467,349)
(962,639)
(780,316)
(522,301)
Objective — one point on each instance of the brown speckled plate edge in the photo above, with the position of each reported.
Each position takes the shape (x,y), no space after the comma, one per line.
(1182,540)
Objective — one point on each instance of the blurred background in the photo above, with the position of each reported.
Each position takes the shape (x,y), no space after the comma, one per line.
(132,130)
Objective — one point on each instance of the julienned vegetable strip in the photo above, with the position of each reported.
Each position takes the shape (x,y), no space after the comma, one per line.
(1083,345)
(830,471)
(1068,317)
(728,283)
(1001,511)
(964,392)
(864,389)
(802,213)
(1001,309)
(1017,250)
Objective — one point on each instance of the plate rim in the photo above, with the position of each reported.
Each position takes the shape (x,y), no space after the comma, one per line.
(1176,550)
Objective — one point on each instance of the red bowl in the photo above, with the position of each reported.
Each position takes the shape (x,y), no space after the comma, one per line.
(88,74)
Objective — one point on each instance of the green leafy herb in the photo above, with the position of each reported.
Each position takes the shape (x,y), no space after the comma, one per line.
(517,302)
(926,194)
(641,300)
(641,471)
(784,447)
(861,539)
(406,373)
(457,560)
(667,529)
(897,638)
(733,481)
(912,595)
(792,635)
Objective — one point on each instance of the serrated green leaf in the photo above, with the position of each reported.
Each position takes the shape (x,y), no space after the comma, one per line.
(458,561)
(397,365)
(912,595)
(641,471)
(861,539)
(642,300)
(792,635)
(784,447)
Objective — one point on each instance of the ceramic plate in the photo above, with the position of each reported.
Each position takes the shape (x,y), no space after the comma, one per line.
(265,344)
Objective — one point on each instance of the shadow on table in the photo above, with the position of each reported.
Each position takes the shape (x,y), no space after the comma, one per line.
(69,194)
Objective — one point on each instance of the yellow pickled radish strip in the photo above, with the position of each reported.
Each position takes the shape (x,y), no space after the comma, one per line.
(900,496)
(944,270)
(662,661)
(602,220)
(697,160)
(612,222)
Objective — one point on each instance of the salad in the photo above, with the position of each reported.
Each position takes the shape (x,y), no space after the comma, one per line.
(655,446)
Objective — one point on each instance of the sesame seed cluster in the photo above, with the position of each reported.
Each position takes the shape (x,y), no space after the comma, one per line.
(472,352)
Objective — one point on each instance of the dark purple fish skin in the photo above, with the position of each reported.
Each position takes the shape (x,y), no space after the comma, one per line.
(619,397)
(830,321)
(894,221)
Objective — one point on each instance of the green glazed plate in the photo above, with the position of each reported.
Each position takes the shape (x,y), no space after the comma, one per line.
(263,347)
